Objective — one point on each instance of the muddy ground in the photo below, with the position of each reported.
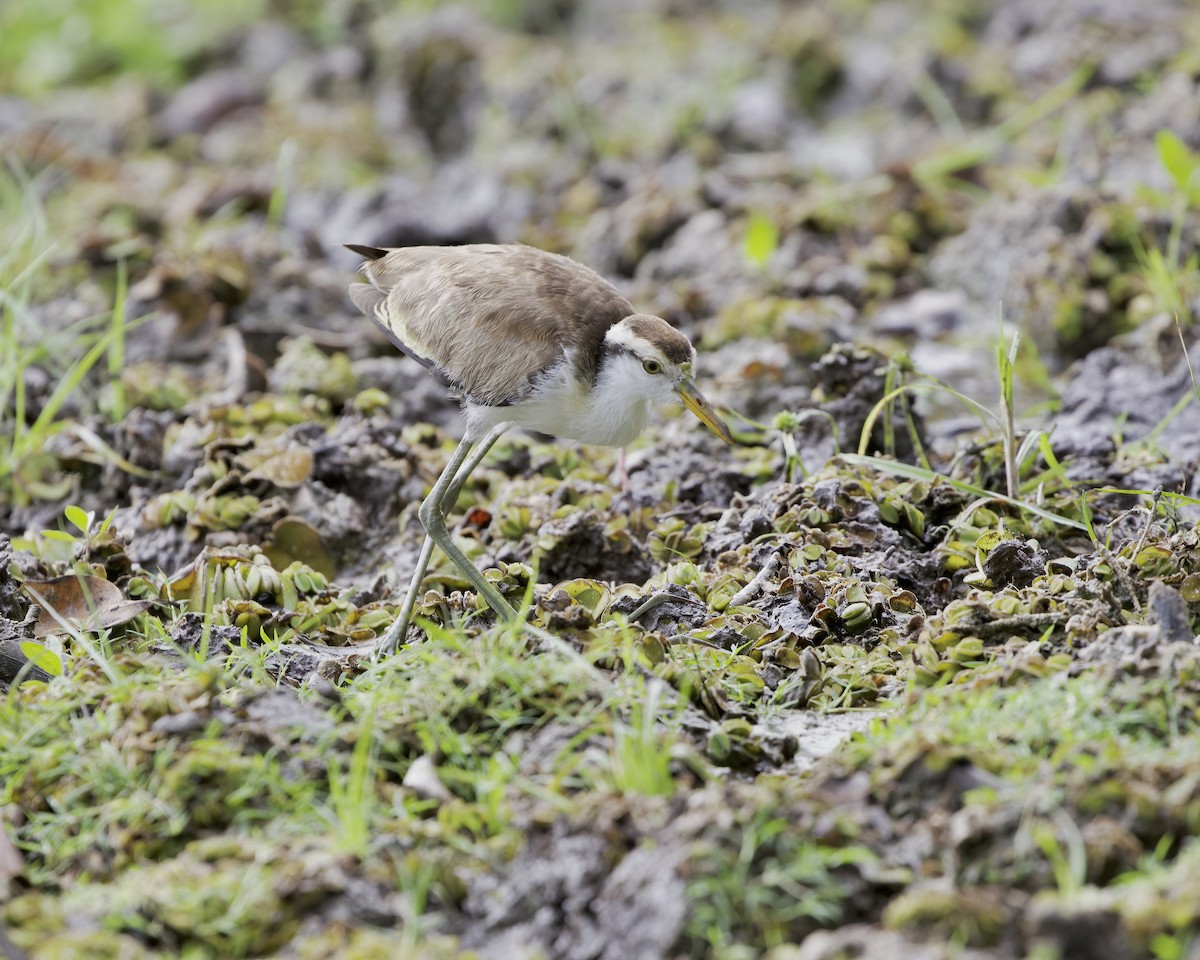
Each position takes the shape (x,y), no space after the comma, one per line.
(922,680)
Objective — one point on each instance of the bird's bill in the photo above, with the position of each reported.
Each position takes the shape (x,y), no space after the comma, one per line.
(695,401)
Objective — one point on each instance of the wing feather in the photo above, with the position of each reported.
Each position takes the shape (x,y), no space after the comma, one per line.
(490,318)
(373,304)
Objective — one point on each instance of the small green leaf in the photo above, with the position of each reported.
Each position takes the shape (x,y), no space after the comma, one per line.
(42,657)
(107,521)
(1154,560)
(1190,588)
(989,540)
(78,518)
(762,239)
(61,536)
(1158,199)
(1164,946)
(1176,158)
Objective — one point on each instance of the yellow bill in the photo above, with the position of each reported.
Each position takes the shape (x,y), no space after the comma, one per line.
(695,401)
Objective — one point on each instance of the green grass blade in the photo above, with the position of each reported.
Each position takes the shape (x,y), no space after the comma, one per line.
(68,384)
(865,436)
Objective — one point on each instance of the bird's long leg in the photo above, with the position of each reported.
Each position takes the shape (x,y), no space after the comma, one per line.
(622,470)
(435,525)
(389,641)
(469,465)
(387,644)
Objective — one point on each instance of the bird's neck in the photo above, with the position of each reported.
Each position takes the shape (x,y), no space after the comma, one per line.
(617,410)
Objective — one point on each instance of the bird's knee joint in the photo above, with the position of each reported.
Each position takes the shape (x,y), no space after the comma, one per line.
(428,514)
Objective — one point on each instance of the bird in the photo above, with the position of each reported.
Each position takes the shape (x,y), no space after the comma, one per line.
(522,338)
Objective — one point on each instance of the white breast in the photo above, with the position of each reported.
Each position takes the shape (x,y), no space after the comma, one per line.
(613,413)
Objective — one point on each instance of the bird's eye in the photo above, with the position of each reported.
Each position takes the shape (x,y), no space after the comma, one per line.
(652,366)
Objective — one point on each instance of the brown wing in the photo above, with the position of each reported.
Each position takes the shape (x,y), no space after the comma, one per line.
(489,317)
(373,303)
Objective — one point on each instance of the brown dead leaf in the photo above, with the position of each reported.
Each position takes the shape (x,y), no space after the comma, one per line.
(477,517)
(91,602)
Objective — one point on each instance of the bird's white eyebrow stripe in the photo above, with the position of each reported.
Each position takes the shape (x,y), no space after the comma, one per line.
(648,336)
(620,335)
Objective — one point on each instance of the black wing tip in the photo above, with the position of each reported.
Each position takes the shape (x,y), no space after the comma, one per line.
(370,253)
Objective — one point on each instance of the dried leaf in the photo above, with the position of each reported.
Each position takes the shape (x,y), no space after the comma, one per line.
(477,517)
(91,602)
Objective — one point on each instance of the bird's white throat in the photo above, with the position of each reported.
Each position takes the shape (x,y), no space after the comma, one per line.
(613,412)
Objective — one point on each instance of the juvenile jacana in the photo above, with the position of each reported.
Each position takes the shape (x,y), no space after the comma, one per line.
(523,338)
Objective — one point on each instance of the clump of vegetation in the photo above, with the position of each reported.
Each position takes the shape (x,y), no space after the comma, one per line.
(63,42)
(1170,274)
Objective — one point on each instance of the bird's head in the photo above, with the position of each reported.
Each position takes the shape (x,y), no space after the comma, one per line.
(657,360)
